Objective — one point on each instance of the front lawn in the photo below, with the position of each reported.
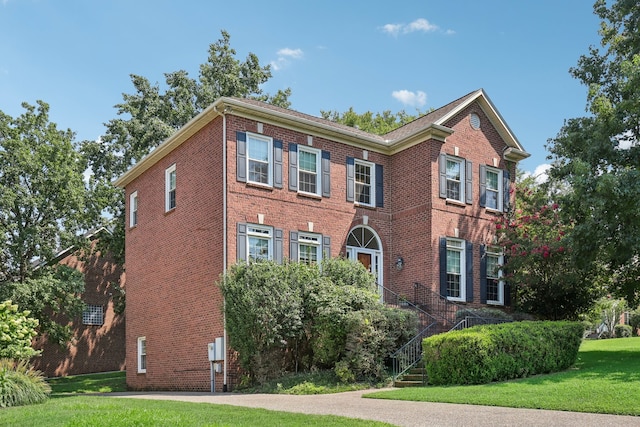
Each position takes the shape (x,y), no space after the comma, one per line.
(104,382)
(606,379)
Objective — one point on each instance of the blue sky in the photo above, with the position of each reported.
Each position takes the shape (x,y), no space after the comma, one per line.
(370,55)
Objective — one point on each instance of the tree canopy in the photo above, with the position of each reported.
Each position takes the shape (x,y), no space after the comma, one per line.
(42,209)
(378,123)
(151,114)
(597,157)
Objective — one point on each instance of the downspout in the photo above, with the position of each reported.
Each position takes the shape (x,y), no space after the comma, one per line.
(224,234)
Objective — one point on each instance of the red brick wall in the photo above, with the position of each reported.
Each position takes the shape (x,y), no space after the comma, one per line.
(174,259)
(173,262)
(93,348)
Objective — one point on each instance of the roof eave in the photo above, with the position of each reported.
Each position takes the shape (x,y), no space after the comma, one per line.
(433,131)
(515,155)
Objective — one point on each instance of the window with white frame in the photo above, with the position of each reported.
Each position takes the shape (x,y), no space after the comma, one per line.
(455,269)
(259,159)
(92,315)
(170,188)
(495,285)
(455,169)
(309,170)
(309,248)
(493,189)
(259,243)
(365,183)
(142,355)
(133,209)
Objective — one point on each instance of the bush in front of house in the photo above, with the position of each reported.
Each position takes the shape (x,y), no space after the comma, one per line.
(622,331)
(487,353)
(16,331)
(293,317)
(20,384)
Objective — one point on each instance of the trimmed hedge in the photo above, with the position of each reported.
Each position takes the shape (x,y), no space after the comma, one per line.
(487,353)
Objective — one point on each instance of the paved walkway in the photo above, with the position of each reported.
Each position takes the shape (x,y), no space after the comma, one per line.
(400,413)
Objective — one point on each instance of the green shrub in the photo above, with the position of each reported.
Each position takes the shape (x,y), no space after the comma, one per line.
(634,321)
(622,331)
(16,331)
(20,384)
(483,312)
(499,352)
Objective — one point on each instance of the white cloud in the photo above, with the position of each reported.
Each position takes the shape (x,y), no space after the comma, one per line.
(284,56)
(419,25)
(413,99)
(540,173)
(291,53)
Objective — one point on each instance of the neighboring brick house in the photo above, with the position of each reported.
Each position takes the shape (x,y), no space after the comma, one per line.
(245,179)
(98,341)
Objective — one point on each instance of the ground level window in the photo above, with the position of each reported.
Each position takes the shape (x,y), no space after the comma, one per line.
(495,286)
(455,269)
(259,239)
(142,355)
(309,248)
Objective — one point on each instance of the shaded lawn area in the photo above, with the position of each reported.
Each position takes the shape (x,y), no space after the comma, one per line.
(605,379)
(98,411)
(105,382)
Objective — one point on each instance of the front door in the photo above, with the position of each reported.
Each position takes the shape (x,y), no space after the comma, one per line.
(363,244)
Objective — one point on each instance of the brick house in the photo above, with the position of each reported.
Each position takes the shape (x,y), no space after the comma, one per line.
(98,340)
(245,180)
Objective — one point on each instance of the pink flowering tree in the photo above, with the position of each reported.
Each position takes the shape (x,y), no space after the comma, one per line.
(537,245)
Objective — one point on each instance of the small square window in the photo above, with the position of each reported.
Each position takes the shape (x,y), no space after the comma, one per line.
(93,315)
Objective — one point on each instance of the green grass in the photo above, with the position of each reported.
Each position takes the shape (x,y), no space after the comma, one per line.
(98,411)
(320,382)
(107,382)
(605,379)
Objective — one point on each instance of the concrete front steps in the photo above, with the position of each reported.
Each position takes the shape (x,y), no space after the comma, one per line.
(416,377)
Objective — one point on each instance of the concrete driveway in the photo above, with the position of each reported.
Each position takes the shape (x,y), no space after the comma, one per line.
(400,413)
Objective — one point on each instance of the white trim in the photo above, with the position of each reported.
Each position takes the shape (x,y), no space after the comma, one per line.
(269,141)
(313,240)
(260,232)
(462,181)
(376,257)
(500,190)
(167,187)
(318,172)
(142,341)
(372,182)
(463,273)
(133,209)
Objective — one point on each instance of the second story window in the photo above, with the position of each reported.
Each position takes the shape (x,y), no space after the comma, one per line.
(133,209)
(170,188)
(308,170)
(364,183)
(259,151)
(494,188)
(455,179)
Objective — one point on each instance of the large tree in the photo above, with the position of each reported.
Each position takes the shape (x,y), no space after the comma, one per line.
(598,157)
(378,123)
(42,209)
(151,114)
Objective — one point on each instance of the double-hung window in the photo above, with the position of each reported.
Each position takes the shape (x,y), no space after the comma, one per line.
(259,243)
(309,170)
(133,209)
(142,355)
(455,179)
(259,159)
(494,188)
(365,182)
(456,269)
(494,283)
(309,248)
(170,188)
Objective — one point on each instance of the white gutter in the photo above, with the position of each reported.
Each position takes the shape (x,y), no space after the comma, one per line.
(224,239)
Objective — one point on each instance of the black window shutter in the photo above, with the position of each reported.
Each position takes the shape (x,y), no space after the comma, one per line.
(326,246)
(468,177)
(506,185)
(483,185)
(443,266)
(483,274)
(277,163)
(442,167)
(293,166)
(293,246)
(351,179)
(277,245)
(326,174)
(241,156)
(379,187)
(241,242)
(507,286)
(469,267)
